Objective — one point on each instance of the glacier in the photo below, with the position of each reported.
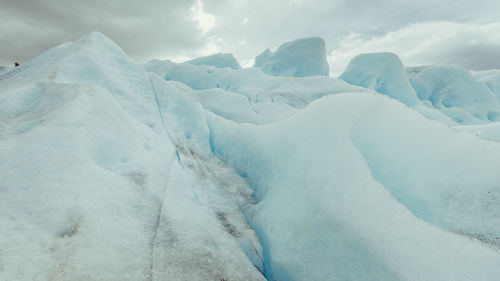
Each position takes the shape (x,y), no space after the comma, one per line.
(204,170)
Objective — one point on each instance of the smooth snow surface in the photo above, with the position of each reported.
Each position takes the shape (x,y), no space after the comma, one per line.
(485,131)
(382,72)
(348,192)
(299,58)
(112,170)
(217,60)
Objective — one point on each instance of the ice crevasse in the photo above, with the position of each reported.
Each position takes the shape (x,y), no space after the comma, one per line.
(113,170)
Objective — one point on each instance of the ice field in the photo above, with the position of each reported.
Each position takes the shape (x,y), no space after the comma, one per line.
(204,170)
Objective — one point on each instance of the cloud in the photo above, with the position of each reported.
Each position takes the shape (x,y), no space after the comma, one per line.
(204,20)
(144,29)
(270,23)
(182,29)
(473,46)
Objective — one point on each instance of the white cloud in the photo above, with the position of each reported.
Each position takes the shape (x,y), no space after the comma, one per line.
(186,28)
(204,20)
(473,46)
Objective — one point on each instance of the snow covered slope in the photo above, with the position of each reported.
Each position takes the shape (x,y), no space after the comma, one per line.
(349,191)
(100,183)
(115,171)
(299,58)
(217,60)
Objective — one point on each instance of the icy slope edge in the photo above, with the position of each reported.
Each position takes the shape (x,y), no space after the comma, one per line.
(322,215)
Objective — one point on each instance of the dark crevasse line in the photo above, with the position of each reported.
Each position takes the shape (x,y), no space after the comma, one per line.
(259,265)
(156,227)
(266,254)
(162,199)
(157,102)
(155,94)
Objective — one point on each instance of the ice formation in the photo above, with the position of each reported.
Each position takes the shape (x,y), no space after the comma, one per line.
(298,58)
(455,92)
(382,72)
(217,60)
(112,170)
(447,93)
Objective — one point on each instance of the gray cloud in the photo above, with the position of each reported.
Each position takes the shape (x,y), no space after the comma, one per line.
(166,29)
(143,30)
(473,46)
(273,22)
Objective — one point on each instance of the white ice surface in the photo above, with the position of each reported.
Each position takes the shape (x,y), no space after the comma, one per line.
(455,92)
(100,181)
(109,172)
(382,72)
(298,58)
(449,94)
(349,192)
(491,78)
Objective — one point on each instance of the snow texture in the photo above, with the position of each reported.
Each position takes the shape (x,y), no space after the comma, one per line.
(348,192)
(111,170)
(97,183)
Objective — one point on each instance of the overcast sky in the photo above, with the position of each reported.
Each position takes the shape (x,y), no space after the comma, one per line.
(463,32)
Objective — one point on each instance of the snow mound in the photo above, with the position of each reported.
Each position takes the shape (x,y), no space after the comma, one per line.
(103,162)
(217,60)
(348,191)
(298,58)
(455,92)
(382,72)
